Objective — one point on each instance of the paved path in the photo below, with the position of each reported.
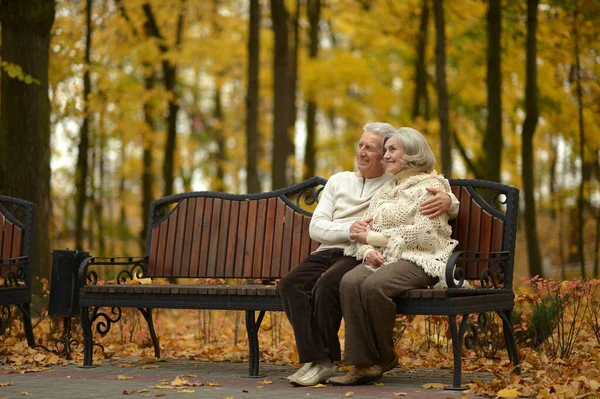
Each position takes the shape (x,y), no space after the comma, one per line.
(128,378)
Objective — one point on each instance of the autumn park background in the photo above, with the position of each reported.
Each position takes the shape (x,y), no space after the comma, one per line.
(108,105)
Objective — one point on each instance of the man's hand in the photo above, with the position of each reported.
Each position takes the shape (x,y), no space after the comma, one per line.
(359,230)
(436,205)
(373,259)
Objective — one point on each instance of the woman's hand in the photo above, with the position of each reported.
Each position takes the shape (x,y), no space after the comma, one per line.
(374,259)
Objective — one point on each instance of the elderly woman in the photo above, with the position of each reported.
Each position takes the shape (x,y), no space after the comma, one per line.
(402,250)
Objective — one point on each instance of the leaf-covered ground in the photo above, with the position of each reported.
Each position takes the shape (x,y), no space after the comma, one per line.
(220,337)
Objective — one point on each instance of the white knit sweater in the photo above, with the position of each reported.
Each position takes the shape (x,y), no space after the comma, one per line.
(411,236)
(343,201)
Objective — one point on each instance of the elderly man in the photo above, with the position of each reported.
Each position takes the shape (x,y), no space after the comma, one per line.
(310,291)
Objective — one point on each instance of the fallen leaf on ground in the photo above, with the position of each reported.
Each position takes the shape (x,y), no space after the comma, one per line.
(400,394)
(379,384)
(128,392)
(212,384)
(433,385)
(162,387)
(124,377)
(177,382)
(508,393)
(266,382)
(318,386)
(186,391)
(5,384)
(348,394)
(24,393)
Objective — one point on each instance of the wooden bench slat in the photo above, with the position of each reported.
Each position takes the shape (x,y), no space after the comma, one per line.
(215,228)
(259,239)
(179,238)
(286,249)
(250,234)
(276,253)
(8,240)
(206,238)
(485,244)
(234,221)
(240,248)
(221,266)
(269,237)
(188,237)
(170,246)
(197,238)
(296,240)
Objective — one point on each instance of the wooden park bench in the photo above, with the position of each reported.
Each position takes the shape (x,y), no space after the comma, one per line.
(16,236)
(260,237)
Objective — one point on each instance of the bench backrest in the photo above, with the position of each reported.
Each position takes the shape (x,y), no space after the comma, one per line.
(16,225)
(486,222)
(262,236)
(218,235)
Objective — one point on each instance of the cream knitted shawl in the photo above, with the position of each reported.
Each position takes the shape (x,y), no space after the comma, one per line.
(412,236)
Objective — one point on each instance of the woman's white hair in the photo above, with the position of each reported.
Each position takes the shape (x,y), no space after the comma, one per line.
(379,128)
(418,154)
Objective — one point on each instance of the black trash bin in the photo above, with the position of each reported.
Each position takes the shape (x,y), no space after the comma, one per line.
(64,290)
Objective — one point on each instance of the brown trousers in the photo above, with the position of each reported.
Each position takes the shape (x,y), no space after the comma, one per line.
(310,294)
(369,311)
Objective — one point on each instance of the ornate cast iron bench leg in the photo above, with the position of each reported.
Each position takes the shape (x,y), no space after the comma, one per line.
(26,312)
(457,342)
(147,313)
(509,339)
(252,326)
(88,343)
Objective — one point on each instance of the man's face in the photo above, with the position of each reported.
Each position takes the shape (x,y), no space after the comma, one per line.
(369,155)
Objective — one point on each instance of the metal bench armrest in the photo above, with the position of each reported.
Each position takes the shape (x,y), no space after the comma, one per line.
(492,277)
(136,268)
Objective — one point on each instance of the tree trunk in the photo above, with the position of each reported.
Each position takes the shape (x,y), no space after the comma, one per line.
(98,198)
(579,93)
(25,117)
(170,82)
(292,85)
(313,8)
(147,174)
(442,87)
(252,97)
(84,142)
(218,184)
(420,97)
(281,78)
(529,126)
(491,159)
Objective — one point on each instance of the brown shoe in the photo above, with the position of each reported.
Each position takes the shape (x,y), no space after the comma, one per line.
(390,365)
(358,375)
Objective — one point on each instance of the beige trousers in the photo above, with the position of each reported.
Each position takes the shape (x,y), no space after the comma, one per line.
(369,311)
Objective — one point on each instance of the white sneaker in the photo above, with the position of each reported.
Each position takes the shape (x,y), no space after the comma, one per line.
(315,375)
(300,372)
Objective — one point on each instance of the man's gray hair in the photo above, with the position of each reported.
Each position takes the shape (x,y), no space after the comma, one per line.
(379,128)
(418,154)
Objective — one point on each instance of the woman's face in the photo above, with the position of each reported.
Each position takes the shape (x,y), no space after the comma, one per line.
(392,156)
